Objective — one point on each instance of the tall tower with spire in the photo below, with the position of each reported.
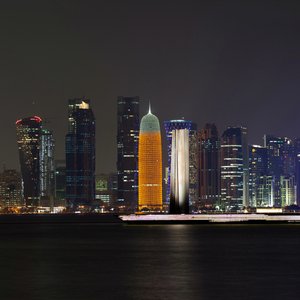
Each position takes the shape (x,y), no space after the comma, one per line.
(150,164)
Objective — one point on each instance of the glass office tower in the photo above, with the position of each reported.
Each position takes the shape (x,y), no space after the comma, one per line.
(80,157)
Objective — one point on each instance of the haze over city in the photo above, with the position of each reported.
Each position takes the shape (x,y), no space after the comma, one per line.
(233,63)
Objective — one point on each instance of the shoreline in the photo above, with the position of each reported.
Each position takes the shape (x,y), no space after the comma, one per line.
(149,219)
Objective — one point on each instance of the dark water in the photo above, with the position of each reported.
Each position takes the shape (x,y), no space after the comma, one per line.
(115,261)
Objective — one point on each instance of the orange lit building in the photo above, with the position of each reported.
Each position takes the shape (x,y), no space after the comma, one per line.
(150,165)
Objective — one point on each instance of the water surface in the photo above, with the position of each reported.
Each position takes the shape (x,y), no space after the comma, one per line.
(115,261)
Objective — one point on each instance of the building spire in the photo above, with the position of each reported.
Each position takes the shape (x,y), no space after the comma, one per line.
(149,112)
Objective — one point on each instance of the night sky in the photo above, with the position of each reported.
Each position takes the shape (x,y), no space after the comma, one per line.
(228,62)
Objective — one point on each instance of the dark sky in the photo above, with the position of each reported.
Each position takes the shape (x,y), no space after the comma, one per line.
(228,62)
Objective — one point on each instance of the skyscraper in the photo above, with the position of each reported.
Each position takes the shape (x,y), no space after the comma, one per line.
(257,169)
(150,164)
(127,152)
(281,162)
(193,158)
(28,139)
(209,167)
(179,177)
(234,169)
(47,176)
(80,156)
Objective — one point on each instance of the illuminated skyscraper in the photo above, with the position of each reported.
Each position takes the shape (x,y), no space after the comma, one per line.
(179,177)
(234,169)
(150,164)
(257,171)
(209,166)
(80,157)
(47,177)
(193,158)
(28,139)
(281,162)
(127,151)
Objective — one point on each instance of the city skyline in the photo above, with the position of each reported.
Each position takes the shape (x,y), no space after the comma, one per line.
(227,63)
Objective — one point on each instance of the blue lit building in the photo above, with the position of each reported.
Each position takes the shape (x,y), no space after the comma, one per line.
(80,156)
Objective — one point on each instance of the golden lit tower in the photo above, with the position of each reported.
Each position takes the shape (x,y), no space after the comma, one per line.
(150,164)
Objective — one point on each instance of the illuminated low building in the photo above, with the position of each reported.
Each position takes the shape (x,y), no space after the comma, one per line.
(11,189)
(150,164)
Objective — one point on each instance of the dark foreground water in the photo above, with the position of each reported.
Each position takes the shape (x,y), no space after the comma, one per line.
(115,261)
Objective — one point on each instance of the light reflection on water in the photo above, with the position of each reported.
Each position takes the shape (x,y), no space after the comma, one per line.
(99,261)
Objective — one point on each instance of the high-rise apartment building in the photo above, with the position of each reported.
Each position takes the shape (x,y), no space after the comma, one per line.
(209,167)
(80,156)
(234,169)
(28,139)
(128,124)
(150,165)
(193,158)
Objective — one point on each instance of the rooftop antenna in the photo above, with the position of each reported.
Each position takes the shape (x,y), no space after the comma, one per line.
(149,112)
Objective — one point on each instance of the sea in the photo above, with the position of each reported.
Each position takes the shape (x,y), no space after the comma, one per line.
(102,258)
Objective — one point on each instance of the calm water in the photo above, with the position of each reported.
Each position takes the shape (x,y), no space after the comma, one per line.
(114,261)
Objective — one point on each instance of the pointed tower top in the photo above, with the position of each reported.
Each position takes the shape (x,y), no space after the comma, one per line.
(149,112)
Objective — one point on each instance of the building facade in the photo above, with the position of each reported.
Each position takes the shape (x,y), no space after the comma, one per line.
(128,123)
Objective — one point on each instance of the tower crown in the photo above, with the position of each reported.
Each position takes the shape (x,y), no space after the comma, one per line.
(149,123)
